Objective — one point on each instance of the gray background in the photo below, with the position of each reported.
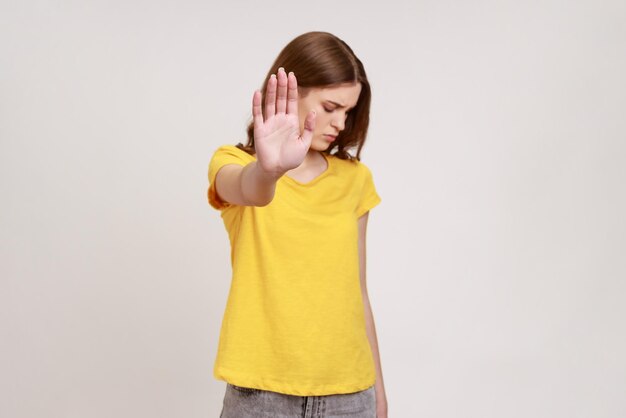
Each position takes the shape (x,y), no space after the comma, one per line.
(496,260)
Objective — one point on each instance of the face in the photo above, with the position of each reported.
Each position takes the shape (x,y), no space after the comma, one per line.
(332,106)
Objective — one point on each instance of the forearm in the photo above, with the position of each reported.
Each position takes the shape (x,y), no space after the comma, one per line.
(257,186)
(381,397)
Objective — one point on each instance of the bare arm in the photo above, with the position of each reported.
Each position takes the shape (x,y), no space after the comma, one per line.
(245,185)
(370,327)
(278,143)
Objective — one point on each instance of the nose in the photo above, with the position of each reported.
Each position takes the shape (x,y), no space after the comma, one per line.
(339,121)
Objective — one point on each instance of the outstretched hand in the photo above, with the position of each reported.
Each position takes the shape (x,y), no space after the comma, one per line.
(279,144)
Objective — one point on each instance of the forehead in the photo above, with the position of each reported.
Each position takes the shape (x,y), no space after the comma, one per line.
(345,94)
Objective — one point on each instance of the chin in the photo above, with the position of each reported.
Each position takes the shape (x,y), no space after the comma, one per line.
(322,145)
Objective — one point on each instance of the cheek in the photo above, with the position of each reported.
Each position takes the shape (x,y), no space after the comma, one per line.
(321,122)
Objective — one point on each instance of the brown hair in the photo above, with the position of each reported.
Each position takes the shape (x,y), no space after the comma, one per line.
(320,59)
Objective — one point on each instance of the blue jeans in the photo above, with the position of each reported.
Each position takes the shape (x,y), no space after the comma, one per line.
(240,402)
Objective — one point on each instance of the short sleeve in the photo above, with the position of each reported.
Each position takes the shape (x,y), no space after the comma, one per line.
(369,196)
(226,154)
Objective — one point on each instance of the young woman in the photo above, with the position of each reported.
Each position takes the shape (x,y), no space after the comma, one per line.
(298,336)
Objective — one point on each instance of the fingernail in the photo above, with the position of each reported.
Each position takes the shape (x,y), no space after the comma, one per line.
(281,69)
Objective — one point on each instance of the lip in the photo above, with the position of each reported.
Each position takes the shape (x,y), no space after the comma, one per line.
(330,137)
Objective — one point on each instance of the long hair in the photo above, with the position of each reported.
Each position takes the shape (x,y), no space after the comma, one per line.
(320,59)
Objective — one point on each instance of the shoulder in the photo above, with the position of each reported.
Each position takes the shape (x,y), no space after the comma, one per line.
(364,168)
(353,171)
(231,154)
(359,168)
(232,150)
(227,154)
(347,165)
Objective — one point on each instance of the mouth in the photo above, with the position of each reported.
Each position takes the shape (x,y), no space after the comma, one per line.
(330,138)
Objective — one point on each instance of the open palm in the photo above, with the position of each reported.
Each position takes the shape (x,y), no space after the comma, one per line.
(279,144)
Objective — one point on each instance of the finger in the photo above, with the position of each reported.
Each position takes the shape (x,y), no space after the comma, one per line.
(281,99)
(309,127)
(256,110)
(292,95)
(270,97)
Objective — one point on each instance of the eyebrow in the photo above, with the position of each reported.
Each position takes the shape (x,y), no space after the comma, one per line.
(338,104)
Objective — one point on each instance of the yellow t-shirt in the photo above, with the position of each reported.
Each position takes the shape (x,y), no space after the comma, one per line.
(294,321)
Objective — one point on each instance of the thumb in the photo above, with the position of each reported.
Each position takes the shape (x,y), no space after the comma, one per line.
(309,127)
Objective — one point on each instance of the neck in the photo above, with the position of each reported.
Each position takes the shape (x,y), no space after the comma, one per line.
(312,156)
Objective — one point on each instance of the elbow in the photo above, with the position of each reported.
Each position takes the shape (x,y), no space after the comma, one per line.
(258,202)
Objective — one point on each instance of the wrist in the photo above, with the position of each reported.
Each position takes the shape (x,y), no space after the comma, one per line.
(267,176)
